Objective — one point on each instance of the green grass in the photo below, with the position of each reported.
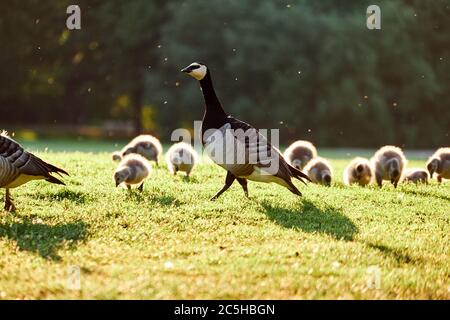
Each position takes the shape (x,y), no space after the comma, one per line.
(171,242)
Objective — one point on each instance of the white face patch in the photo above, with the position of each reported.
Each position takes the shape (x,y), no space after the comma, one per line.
(198,73)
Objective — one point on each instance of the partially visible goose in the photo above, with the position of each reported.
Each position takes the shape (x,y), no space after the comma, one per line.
(300,153)
(145,145)
(246,155)
(416,175)
(319,171)
(132,171)
(439,162)
(359,170)
(388,163)
(18,167)
(181,157)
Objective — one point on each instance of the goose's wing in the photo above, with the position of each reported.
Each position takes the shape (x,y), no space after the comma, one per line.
(221,146)
(245,150)
(25,163)
(249,146)
(31,165)
(263,154)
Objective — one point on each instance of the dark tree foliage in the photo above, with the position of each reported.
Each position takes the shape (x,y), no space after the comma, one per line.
(310,68)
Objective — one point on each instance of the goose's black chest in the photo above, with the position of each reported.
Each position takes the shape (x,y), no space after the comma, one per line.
(211,122)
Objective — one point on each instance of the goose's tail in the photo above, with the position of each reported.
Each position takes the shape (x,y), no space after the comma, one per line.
(298,174)
(292,188)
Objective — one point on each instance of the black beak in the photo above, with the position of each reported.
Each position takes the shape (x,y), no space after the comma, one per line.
(186,70)
(117,184)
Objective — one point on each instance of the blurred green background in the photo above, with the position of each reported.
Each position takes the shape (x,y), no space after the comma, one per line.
(310,68)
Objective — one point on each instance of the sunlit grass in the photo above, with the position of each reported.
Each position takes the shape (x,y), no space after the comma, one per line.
(171,242)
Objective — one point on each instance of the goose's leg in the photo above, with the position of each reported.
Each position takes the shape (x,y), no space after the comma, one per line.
(439,178)
(396,183)
(141,187)
(9,205)
(378,179)
(243,183)
(228,182)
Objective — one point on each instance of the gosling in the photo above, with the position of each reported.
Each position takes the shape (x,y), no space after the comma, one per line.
(181,157)
(300,153)
(388,163)
(132,171)
(416,175)
(359,171)
(319,171)
(439,162)
(145,145)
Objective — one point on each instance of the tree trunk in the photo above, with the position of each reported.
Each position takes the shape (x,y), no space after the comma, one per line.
(137,101)
(72,101)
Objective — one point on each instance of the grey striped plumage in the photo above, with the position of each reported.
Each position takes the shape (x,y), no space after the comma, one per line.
(17,167)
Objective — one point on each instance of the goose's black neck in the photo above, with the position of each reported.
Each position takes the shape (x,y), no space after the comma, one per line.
(213,106)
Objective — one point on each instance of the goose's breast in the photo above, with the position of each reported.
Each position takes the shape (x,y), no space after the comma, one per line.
(220,145)
(22,179)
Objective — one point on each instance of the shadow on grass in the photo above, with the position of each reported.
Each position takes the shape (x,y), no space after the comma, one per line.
(65,194)
(396,254)
(163,200)
(190,179)
(309,218)
(418,192)
(181,177)
(41,238)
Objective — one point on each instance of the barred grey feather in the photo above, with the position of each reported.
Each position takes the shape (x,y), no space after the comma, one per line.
(253,157)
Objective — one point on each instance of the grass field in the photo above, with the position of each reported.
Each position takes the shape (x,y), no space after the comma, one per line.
(171,242)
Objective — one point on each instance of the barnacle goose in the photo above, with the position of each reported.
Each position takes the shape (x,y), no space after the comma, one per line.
(249,156)
(18,167)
